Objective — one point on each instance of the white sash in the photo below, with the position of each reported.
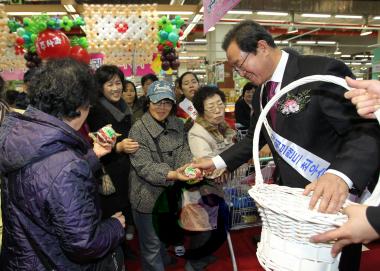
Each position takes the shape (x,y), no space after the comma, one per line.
(309,165)
(187,106)
(306,163)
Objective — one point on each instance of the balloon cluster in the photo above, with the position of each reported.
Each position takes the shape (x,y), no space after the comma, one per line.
(32,60)
(168,39)
(42,35)
(123,33)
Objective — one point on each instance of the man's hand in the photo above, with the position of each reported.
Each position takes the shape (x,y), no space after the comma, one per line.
(365,95)
(127,145)
(356,230)
(204,163)
(332,190)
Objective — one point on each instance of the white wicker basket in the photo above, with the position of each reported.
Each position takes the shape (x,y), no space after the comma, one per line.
(288,223)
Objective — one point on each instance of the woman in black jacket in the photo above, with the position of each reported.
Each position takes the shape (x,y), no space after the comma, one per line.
(243,106)
(112,109)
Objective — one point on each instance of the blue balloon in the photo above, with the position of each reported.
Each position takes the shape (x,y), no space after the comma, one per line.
(173,37)
(163,34)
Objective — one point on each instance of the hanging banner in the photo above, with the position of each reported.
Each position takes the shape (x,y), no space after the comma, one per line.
(214,10)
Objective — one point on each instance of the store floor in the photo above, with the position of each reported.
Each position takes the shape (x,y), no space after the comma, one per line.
(245,253)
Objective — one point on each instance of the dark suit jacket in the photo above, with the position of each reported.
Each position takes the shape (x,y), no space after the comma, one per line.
(242,112)
(328,127)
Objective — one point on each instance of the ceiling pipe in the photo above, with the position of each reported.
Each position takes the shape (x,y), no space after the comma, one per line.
(304,34)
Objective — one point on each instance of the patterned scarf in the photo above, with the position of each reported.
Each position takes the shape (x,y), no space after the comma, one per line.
(220,133)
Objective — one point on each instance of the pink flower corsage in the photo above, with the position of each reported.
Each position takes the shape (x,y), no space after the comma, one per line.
(294,103)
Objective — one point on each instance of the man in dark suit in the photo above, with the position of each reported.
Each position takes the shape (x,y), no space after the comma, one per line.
(322,121)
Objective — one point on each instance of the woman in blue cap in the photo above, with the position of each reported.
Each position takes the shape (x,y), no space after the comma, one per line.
(156,166)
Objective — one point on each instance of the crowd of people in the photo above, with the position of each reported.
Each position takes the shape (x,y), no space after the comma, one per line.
(54,216)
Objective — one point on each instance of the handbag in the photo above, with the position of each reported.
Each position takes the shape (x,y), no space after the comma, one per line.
(106,186)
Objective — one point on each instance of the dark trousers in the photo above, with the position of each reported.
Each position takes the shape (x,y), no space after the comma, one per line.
(350,259)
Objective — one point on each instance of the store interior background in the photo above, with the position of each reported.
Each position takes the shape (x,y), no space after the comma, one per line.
(346,30)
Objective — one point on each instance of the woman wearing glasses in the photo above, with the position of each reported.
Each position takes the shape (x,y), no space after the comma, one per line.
(209,136)
(156,166)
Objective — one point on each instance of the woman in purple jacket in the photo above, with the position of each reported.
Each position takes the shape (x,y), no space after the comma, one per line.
(51,216)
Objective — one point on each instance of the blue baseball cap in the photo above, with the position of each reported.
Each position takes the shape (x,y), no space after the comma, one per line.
(160,90)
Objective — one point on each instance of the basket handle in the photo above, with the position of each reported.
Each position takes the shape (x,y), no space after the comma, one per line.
(308,79)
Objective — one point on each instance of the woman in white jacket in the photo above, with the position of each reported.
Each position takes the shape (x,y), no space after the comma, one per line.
(210,134)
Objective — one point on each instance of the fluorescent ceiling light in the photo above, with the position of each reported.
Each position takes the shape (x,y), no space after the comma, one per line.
(326,42)
(69,8)
(269,13)
(200,40)
(211,29)
(368,63)
(242,12)
(202,9)
(175,12)
(316,15)
(188,57)
(347,63)
(362,56)
(29,13)
(371,56)
(306,42)
(349,16)
(376,18)
(346,56)
(281,41)
(356,63)
(187,31)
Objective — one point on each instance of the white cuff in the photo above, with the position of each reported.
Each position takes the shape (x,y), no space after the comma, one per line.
(219,162)
(343,176)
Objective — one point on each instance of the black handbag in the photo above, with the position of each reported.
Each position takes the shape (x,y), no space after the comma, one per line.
(113,261)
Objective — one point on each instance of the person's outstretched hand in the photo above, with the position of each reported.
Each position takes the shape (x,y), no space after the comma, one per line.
(127,145)
(365,95)
(356,230)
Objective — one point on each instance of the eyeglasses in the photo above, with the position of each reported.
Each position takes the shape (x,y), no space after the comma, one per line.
(215,108)
(240,69)
(163,103)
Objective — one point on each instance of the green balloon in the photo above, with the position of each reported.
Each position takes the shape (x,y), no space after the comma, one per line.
(21,31)
(27,21)
(168,28)
(33,37)
(83,42)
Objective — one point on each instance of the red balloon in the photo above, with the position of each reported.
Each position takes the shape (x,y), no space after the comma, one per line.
(160,47)
(80,54)
(169,44)
(20,41)
(52,44)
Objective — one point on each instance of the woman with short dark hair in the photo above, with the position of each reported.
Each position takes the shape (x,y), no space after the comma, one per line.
(243,106)
(51,216)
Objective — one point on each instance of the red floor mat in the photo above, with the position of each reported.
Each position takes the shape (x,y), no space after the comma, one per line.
(245,253)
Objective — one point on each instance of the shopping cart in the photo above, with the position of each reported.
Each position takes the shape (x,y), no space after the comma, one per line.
(243,211)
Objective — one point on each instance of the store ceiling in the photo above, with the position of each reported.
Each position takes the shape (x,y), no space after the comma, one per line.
(343,31)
